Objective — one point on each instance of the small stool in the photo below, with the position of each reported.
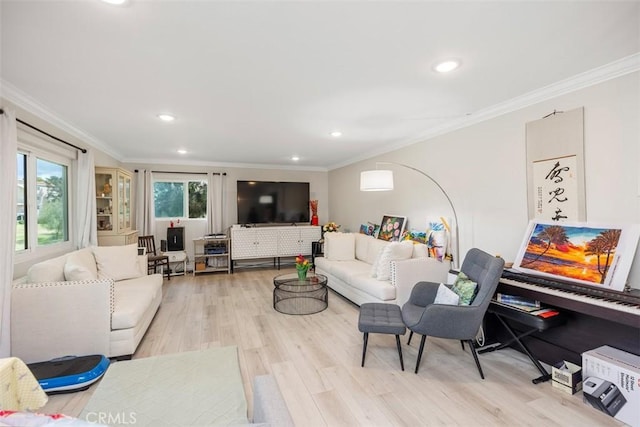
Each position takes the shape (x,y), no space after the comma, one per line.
(381,319)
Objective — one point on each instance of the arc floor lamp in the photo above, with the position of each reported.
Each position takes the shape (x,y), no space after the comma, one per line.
(382,180)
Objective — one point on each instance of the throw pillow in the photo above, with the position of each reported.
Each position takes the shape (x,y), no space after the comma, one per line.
(51,270)
(374,249)
(394,251)
(117,262)
(420,251)
(465,288)
(340,246)
(446,296)
(81,265)
(362,246)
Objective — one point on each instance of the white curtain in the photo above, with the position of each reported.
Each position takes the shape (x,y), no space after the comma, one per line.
(8,184)
(145,222)
(216,196)
(86,226)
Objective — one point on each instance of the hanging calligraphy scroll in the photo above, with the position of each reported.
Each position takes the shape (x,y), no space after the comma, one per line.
(556,188)
(555,167)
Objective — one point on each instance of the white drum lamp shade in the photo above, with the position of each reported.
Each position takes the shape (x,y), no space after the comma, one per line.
(376,180)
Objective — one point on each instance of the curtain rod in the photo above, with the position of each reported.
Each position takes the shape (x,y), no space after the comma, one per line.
(84,150)
(186,173)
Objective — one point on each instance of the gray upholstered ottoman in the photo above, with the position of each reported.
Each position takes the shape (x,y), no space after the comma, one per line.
(381,319)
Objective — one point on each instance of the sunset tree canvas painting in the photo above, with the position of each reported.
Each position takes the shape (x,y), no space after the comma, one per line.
(590,254)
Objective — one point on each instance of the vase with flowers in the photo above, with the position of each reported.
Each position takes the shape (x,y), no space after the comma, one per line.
(330,227)
(302,267)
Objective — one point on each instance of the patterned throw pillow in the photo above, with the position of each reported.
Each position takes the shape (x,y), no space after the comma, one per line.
(465,288)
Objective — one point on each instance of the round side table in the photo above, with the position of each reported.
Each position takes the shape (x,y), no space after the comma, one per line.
(294,296)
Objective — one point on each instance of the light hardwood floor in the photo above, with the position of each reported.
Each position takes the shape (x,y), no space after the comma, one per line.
(316,361)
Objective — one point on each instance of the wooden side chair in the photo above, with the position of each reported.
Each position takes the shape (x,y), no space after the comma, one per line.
(153,259)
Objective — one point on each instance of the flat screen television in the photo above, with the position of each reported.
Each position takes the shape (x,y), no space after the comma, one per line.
(266,202)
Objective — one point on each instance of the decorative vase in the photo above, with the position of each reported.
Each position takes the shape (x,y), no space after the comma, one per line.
(314,219)
(302,274)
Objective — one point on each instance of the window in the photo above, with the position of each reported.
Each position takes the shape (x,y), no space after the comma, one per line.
(21,197)
(51,202)
(180,199)
(42,198)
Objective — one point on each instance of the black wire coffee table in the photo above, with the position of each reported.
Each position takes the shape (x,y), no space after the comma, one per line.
(292,295)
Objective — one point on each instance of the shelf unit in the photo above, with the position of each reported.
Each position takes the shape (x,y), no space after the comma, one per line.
(114,208)
(211,255)
(176,258)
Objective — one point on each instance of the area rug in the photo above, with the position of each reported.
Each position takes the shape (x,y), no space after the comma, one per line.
(198,388)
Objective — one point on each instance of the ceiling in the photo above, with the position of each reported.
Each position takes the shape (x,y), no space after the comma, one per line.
(256,82)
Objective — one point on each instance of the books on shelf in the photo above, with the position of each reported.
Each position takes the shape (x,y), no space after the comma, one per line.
(545,312)
(517,300)
(527,305)
(524,308)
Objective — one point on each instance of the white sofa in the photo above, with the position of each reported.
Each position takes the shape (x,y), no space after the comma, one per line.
(96,300)
(364,269)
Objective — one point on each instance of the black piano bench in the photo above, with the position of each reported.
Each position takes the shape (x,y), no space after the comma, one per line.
(535,323)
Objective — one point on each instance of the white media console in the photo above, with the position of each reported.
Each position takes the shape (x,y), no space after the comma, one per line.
(272,241)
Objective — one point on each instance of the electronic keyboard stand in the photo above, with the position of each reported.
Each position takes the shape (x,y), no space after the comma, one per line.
(535,323)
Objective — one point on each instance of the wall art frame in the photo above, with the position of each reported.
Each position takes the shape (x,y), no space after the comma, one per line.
(598,255)
(392,227)
(555,167)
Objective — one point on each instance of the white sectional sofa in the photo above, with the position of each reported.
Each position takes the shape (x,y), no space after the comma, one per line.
(364,269)
(96,300)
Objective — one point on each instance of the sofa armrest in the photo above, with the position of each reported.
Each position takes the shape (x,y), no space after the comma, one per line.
(407,272)
(143,265)
(56,319)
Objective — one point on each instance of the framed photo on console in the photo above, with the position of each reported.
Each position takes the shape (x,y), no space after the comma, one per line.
(598,255)
(392,227)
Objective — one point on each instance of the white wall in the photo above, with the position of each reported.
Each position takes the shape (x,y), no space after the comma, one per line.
(20,268)
(483,168)
(195,228)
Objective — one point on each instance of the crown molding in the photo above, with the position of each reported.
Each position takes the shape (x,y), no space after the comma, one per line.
(134,161)
(619,68)
(30,105)
(589,78)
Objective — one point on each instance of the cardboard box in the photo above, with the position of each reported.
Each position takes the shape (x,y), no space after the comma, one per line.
(567,377)
(611,383)
(200,265)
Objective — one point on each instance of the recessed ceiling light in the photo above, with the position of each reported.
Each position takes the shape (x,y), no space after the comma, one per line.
(181,151)
(116,2)
(447,66)
(295,158)
(336,134)
(166,117)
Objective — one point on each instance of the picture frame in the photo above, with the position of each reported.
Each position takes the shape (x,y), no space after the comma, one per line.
(370,229)
(392,227)
(598,255)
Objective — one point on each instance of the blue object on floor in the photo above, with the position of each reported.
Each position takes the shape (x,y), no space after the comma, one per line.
(69,374)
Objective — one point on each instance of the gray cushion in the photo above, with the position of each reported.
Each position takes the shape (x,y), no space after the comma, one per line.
(381,318)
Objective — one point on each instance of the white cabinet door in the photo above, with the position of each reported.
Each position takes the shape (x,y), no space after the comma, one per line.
(243,243)
(308,235)
(266,242)
(289,241)
(293,241)
(247,243)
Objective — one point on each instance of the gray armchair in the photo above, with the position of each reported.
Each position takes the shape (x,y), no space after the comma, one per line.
(460,322)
